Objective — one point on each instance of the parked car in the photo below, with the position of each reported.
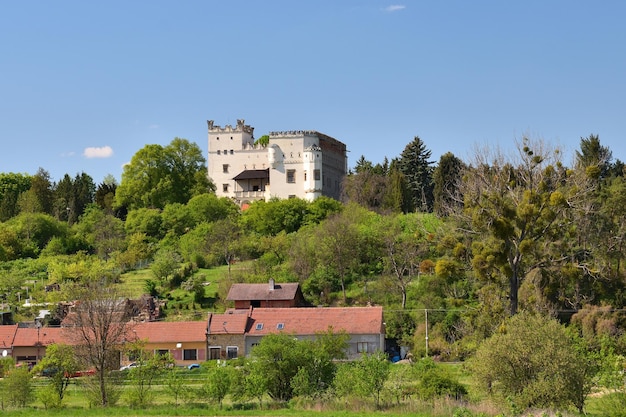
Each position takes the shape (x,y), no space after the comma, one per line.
(129,366)
(193,366)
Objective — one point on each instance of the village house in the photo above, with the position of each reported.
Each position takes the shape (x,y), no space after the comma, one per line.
(275,295)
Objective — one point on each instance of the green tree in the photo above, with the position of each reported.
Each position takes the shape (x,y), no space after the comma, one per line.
(519,206)
(165,263)
(416,167)
(60,364)
(16,388)
(446,180)
(364,378)
(218,383)
(279,357)
(11,186)
(158,175)
(535,362)
(142,377)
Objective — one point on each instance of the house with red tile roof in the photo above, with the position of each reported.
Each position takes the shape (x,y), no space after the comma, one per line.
(226,334)
(364,325)
(7,335)
(184,340)
(222,336)
(272,294)
(29,343)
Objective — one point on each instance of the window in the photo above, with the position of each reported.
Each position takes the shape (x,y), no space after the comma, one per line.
(214,352)
(259,326)
(219,152)
(280,326)
(225,168)
(305,175)
(292,196)
(161,352)
(316,174)
(231,352)
(225,188)
(361,347)
(190,354)
(232,152)
(291,176)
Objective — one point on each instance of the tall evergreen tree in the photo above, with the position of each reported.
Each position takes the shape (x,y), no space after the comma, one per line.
(414,163)
(446,180)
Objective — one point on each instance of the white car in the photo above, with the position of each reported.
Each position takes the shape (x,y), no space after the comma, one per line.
(129,366)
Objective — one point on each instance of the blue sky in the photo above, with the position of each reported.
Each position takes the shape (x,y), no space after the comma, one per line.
(85,84)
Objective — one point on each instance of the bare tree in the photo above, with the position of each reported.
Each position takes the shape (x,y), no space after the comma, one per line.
(97,326)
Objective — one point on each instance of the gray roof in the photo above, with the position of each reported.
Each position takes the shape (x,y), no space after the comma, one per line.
(251,174)
(247,292)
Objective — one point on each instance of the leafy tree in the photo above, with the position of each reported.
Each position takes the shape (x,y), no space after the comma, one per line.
(269,218)
(218,383)
(415,166)
(338,247)
(16,388)
(402,253)
(60,363)
(365,377)
(141,378)
(207,207)
(147,221)
(517,206)
(165,263)
(158,175)
(279,357)
(534,361)
(11,186)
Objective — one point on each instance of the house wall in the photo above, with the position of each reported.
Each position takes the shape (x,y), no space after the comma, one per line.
(374,342)
(223,341)
(178,352)
(245,304)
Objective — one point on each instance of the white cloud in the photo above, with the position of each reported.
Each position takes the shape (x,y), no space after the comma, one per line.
(394,8)
(102,152)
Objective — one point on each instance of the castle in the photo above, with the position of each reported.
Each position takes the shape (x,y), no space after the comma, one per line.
(299,163)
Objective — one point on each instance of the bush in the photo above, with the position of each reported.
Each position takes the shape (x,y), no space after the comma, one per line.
(534,362)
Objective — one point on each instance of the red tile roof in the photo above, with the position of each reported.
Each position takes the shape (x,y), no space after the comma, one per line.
(247,292)
(7,334)
(169,331)
(231,322)
(309,321)
(47,336)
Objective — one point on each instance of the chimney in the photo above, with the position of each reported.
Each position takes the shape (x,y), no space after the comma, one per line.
(272,285)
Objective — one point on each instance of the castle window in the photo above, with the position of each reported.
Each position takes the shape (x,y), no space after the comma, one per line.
(231,152)
(225,188)
(291,176)
(231,138)
(225,168)
(316,174)
(225,152)
(219,152)
(305,175)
